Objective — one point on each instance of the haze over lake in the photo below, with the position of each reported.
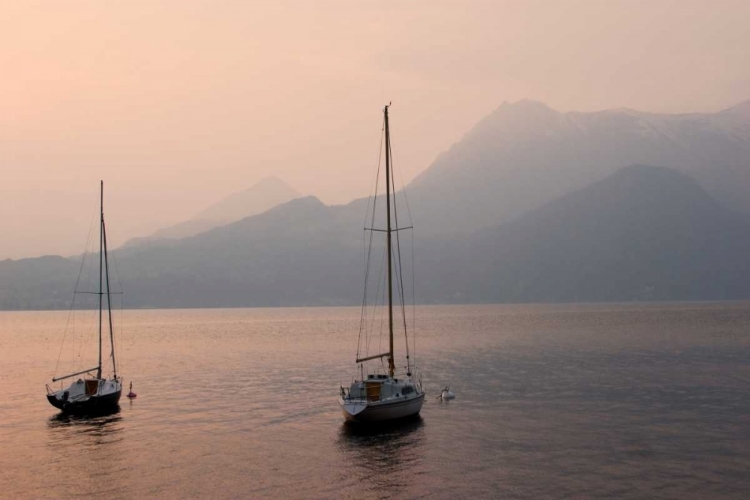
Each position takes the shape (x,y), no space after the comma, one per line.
(625,401)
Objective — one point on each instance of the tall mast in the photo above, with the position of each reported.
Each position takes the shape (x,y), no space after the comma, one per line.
(391,364)
(101,255)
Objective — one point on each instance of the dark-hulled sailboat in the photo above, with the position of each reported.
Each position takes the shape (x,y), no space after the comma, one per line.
(378,397)
(93,393)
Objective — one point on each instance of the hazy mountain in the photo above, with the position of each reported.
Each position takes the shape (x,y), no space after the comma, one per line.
(524,155)
(641,233)
(531,205)
(40,283)
(298,253)
(265,194)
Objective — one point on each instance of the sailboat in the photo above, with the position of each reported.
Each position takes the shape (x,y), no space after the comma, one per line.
(380,397)
(92,392)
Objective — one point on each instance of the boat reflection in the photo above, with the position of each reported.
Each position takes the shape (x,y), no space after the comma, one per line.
(379,432)
(383,457)
(102,426)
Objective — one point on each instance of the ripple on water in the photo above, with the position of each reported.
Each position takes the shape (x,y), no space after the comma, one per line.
(620,401)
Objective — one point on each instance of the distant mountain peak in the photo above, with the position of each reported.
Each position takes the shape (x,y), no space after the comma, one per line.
(742,108)
(309,201)
(525,153)
(261,196)
(270,180)
(531,103)
(524,106)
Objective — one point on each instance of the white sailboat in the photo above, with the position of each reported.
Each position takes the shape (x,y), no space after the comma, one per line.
(378,397)
(93,392)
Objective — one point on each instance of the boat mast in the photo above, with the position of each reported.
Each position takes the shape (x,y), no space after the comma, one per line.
(109,297)
(391,364)
(101,246)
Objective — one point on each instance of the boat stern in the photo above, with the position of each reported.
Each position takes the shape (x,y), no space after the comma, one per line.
(352,407)
(52,398)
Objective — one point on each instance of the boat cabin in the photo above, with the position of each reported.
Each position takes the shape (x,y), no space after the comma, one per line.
(379,387)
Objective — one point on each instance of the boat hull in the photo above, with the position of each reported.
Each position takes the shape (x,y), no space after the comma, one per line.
(91,404)
(381,411)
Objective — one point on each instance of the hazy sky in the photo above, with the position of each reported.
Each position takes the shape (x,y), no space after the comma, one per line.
(176,104)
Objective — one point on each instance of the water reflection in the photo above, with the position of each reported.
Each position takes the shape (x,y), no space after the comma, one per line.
(77,442)
(379,432)
(383,457)
(100,426)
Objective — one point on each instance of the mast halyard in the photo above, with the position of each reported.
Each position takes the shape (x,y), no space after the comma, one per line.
(391,363)
(109,298)
(101,255)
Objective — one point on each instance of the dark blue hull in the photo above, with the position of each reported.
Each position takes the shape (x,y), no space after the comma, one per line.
(90,405)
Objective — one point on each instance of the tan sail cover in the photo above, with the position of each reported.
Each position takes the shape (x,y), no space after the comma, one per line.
(373,391)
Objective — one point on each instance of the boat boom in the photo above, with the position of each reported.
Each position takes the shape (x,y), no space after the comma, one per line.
(74,374)
(376,356)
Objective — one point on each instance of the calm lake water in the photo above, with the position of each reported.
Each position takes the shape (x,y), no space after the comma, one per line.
(583,401)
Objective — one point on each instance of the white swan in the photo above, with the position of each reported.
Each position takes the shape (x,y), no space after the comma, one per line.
(447,394)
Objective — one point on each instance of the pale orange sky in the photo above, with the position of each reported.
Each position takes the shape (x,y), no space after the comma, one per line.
(176,104)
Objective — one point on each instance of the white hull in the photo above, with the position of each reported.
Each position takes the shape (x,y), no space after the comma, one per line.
(380,411)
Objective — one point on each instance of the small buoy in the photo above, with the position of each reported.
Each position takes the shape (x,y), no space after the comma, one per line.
(447,394)
(131,394)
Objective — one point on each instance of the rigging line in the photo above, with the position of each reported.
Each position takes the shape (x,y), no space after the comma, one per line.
(403,190)
(399,268)
(413,306)
(115,345)
(88,334)
(413,273)
(383,308)
(402,298)
(368,257)
(109,300)
(381,281)
(377,173)
(117,273)
(73,302)
(87,331)
(118,280)
(381,297)
(370,331)
(392,230)
(363,312)
(413,276)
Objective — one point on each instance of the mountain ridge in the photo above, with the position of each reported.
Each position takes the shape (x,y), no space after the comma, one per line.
(525,154)
(511,167)
(642,233)
(261,196)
